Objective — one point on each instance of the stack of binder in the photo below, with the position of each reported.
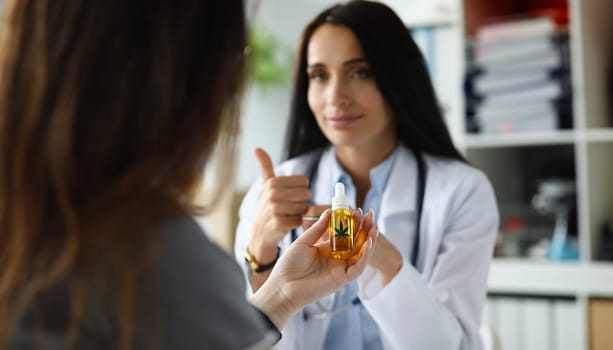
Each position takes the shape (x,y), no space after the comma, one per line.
(519,77)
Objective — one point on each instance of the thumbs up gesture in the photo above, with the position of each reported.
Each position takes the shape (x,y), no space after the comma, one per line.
(283,201)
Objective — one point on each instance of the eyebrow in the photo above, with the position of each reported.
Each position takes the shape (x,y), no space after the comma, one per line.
(346,63)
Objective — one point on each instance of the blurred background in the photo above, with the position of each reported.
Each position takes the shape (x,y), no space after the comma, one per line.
(526,88)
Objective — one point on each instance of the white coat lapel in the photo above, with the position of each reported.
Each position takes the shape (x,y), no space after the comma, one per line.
(399,194)
(305,163)
(398,213)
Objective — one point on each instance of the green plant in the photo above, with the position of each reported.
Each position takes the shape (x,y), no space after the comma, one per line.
(268,60)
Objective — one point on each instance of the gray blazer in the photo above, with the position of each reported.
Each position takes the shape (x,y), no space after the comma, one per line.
(201,302)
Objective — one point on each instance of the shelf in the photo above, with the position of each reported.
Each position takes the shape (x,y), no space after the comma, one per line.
(562,137)
(599,135)
(537,138)
(516,276)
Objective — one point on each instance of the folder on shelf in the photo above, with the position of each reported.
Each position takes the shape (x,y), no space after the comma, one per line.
(524,115)
(489,83)
(514,28)
(516,50)
(489,117)
(526,90)
(525,110)
(539,20)
(545,122)
(552,56)
(545,62)
(544,91)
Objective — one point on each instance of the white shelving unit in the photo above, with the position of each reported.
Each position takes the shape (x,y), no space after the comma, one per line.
(564,279)
(562,137)
(507,159)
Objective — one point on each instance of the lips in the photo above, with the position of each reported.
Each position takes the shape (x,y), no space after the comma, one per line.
(342,121)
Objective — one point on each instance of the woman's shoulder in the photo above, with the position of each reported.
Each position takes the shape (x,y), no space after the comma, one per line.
(454,171)
(446,179)
(462,185)
(203,292)
(183,236)
(441,169)
(185,251)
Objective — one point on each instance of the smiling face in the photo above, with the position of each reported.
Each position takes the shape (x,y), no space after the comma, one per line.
(342,92)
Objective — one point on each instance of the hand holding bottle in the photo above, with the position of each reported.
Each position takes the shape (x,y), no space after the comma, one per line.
(305,272)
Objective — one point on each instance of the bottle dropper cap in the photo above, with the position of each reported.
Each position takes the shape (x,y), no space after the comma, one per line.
(339,200)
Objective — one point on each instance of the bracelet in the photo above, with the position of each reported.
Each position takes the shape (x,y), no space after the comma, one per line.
(255,266)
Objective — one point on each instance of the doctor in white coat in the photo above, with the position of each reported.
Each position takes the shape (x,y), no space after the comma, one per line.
(364,113)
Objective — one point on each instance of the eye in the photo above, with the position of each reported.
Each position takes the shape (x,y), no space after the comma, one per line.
(361,73)
(317,75)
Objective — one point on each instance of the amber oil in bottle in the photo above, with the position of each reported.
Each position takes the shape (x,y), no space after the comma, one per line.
(341,225)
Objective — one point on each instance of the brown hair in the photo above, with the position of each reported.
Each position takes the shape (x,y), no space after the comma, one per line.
(109,111)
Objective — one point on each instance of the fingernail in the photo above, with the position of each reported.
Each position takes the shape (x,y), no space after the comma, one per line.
(324,213)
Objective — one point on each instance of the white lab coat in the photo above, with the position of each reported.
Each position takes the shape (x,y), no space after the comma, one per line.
(436,305)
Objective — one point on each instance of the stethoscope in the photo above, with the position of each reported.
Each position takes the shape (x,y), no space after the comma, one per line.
(419,201)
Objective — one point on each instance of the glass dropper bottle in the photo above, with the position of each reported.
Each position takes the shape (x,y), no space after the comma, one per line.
(341,225)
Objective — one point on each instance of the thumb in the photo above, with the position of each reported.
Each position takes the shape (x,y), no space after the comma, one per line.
(266,167)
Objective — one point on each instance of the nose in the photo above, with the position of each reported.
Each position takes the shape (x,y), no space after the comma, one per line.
(338,92)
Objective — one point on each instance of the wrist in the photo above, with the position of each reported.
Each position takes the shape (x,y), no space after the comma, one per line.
(390,267)
(263,253)
(256,265)
(263,245)
(271,301)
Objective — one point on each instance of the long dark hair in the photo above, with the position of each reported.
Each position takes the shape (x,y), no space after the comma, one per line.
(399,70)
(109,112)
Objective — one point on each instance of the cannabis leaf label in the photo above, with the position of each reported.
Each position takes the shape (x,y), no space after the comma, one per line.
(340,231)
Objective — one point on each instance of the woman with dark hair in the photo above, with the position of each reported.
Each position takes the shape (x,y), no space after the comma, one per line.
(364,113)
(109,113)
